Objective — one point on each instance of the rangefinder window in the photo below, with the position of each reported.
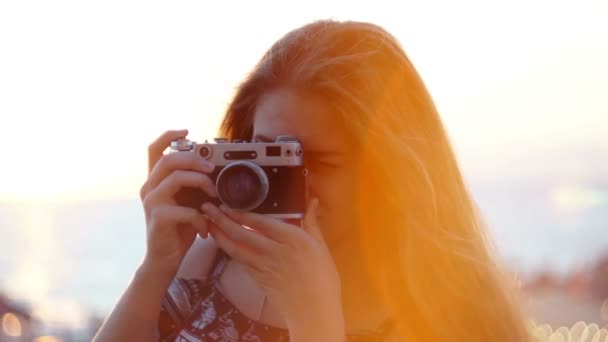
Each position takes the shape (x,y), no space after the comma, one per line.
(273,151)
(240,155)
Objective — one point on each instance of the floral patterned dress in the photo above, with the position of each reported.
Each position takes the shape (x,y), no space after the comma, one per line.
(195,310)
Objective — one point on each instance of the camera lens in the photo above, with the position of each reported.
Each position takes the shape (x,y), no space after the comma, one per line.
(242,185)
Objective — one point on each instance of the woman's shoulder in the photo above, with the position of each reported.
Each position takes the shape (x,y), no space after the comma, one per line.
(198,261)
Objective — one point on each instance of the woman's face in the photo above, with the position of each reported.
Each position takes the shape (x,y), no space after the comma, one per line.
(328,155)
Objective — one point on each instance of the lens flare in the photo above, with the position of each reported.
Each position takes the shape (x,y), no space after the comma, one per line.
(564,332)
(602,335)
(579,331)
(578,197)
(47,339)
(11,325)
(604,310)
(593,329)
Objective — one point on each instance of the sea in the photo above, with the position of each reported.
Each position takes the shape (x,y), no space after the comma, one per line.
(68,261)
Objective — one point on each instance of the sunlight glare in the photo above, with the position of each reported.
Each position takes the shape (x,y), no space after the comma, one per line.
(11,325)
(82,115)
(47,339)
(577,198)
(32,275)
(63,311)
(33,279)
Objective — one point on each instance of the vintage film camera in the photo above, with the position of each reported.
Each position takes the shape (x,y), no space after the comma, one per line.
(262,177)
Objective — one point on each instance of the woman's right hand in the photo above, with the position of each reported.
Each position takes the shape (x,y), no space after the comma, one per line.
(171,228)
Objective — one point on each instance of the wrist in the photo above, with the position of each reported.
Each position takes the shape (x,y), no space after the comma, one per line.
(141,302)
(155,272)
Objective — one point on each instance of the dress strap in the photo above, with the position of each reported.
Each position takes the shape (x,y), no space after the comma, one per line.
(221,259)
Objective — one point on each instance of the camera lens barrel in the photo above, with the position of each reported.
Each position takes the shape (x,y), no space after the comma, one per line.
(242,185)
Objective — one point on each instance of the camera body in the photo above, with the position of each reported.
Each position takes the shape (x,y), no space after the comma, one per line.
(262,177)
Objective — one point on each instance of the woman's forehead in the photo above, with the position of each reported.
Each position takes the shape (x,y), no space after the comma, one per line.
(285,112)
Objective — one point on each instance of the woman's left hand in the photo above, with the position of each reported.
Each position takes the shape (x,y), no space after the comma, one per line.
(292,264)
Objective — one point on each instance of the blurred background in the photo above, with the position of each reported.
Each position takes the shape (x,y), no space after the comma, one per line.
(522,87)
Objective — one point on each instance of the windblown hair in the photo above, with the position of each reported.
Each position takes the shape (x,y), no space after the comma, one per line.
(420,233)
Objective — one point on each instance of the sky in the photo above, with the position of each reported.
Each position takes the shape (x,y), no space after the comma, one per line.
(86,86)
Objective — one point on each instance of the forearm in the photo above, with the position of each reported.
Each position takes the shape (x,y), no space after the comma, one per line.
(135,316)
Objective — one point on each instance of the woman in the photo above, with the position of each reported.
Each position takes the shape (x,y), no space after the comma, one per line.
(391,247)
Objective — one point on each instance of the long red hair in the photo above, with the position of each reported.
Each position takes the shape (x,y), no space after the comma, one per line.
(421,235)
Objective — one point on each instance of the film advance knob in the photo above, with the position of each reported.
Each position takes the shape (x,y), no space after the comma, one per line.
(182,145)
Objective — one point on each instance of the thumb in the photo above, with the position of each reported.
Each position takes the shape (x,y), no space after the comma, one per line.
(311,223)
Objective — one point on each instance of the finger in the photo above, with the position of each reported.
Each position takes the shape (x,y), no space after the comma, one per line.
(177,161)
(274,229)
(178,180)
(310,222)
(204,232)
(165,216)
(259,274)
(234,250)
(156,148)
(237,233)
